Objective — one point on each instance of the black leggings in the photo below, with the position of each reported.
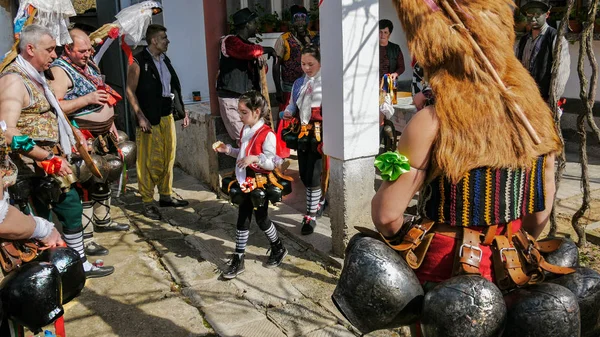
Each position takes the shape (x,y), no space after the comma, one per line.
(245,213)
(310,164)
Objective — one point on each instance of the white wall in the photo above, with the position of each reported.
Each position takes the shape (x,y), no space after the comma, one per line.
(388,11)
(350,75)
(6,31)
(572,88)
(184,20)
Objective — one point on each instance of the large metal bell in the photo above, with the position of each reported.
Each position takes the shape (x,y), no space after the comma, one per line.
(377,289)
(128,149)
(122,137)
(102,166)
(31,295)
(70,267)
(80,169)
(115,167)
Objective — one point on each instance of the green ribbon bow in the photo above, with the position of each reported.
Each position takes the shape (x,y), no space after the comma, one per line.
(392,165)
(22,143)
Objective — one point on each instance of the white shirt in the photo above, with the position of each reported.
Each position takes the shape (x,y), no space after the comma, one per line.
(265,159)
(163,72)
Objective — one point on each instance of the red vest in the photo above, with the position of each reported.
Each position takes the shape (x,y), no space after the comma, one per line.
(255,145)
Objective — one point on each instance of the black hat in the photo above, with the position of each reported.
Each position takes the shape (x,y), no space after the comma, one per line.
(243,16)
(295,9)
(543,4)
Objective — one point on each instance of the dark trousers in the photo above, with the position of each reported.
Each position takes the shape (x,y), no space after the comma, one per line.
(261,214)
(311,166)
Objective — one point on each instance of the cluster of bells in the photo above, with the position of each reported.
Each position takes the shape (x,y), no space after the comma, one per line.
(258,196)
(109,165)
(33,295)
(378,290)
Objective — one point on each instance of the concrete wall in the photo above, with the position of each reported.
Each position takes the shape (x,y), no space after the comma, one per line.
(6,28)
(184,20)
(572,88)
(388,11)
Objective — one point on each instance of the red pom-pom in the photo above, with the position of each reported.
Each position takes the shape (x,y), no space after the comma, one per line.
(113,33)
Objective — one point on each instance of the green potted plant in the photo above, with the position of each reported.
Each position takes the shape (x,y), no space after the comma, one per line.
(575,21)
(286,19)
(520,22)
(268,22)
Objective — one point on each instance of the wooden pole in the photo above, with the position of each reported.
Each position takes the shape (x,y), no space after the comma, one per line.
(89,162)
(511,104)
(264,90)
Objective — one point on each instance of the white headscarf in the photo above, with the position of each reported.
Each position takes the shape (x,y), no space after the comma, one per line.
(310,96)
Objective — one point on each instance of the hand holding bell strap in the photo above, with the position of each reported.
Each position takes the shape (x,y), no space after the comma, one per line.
(52,166)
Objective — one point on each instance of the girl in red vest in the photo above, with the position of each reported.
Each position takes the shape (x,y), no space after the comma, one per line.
(255,158)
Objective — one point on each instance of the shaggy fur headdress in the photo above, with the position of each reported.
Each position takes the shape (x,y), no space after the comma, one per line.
(476,127)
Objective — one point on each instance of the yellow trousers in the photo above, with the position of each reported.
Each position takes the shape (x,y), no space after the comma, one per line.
(155,159)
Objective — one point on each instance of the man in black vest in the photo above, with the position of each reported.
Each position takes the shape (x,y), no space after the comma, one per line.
(391,60)
(535,49)
(154,91)
(239,64)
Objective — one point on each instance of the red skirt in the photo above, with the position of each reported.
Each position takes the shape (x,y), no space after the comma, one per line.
(281,149)
(438,263)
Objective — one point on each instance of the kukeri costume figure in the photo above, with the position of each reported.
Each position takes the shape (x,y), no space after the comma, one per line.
(486,189)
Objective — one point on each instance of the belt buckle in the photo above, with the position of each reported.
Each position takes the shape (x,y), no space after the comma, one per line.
(422,228)
(502,250)
(475,248)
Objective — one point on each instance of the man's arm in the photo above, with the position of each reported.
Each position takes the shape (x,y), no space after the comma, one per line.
(61,85)
(133,76)
(12,100)
(240,50)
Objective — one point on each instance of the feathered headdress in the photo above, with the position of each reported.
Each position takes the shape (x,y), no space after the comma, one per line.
(479,124)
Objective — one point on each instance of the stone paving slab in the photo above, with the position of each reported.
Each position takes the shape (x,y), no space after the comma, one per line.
(261,328)
(137,300)
(226,316)
(301,318)
(332,331)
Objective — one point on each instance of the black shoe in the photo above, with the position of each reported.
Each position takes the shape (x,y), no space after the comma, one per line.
(308,225)
(278,252)
(94,249)
(151,212)
(236,267)
(111,227)
(88,235)
(321,207)
(99,271)
(173,203)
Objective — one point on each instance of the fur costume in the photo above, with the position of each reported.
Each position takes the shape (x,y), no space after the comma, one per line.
(476,127)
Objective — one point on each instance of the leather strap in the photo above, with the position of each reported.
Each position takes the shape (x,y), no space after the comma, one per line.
(280,175)
(273,181)
(468,253)
(507,264)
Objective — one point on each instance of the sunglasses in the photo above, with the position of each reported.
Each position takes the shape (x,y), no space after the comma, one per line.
(299,17)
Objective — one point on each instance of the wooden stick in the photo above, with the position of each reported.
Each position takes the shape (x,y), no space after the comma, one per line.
(264,90)
(89,162)
(512,105)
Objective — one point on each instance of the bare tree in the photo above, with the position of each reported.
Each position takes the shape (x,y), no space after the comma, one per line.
(553,101)
(588,96)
